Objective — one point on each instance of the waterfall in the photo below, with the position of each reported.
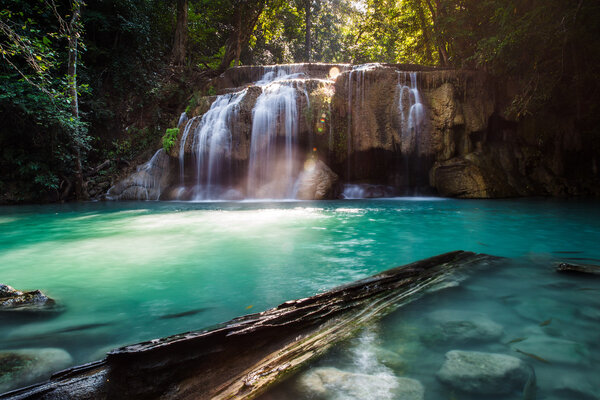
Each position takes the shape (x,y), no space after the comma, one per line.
(211,146)
(411,114)
(411,111)
(271,172)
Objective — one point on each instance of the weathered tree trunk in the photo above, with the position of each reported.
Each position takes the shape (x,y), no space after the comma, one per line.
(238,37)
(247,14)
(439,42)
(180,43)
(72,82)
(243,357)
(308,23)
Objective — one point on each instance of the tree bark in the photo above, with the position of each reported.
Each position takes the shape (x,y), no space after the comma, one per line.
(247,13)
(238,40)
(180,43)
(308,23)
(440,44)
(72,82)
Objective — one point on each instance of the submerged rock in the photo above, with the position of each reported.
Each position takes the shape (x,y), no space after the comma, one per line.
(26,366)
(554,350)
(461,327)
(317,182)
(16,300)
(333,383)
(483,373)
(574,387)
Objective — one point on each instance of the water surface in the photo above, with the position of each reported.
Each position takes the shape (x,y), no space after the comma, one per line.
(127,272)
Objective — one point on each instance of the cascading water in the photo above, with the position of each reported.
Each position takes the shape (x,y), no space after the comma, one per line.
(411,113)
(410,109)
(253,143)
(211,146)
(271,172)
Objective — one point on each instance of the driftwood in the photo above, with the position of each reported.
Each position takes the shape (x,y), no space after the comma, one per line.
(242,358)
(579,268)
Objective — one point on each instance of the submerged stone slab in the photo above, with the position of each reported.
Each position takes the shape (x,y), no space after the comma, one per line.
(483,373)
(554,350)
(26,366)
(461,327)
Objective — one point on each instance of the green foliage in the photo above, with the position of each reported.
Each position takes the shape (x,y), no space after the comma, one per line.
(39,135)
(170,138)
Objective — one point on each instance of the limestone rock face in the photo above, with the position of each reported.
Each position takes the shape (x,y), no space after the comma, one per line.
(416,129)
(19,368)
(473,177)
(332,383)
(483,373)
(147,183)
(317,182)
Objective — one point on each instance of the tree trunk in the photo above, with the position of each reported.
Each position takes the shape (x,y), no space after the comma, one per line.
(440,44)
(308,21)
(238,40)
(247,14)
(180,44)
(72,82)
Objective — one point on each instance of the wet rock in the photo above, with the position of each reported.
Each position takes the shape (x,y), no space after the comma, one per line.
(15,300)
(483,373)
(461,327)
(554,350)
(317,182)
(26,366)
(542,309)
(573,387)
(390,358)
(333,383)
(147,183)
(585,269)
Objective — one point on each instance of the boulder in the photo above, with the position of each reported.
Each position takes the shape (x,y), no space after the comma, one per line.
(316,182)
(474,176)
(15,300)
(147,183)
(333,383)
(483,373)
(461,327)
(26,366)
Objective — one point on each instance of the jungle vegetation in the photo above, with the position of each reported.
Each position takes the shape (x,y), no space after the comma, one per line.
(81,82)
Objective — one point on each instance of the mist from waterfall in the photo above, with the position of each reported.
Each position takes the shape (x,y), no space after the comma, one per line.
(271,172)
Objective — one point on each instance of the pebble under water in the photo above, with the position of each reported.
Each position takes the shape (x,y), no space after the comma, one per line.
(127,272)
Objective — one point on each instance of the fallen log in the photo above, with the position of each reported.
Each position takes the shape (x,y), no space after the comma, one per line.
(243,357)
(579,268)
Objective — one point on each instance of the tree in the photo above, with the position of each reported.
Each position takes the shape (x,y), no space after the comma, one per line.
(180,42)
(245,17)
(32,40)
